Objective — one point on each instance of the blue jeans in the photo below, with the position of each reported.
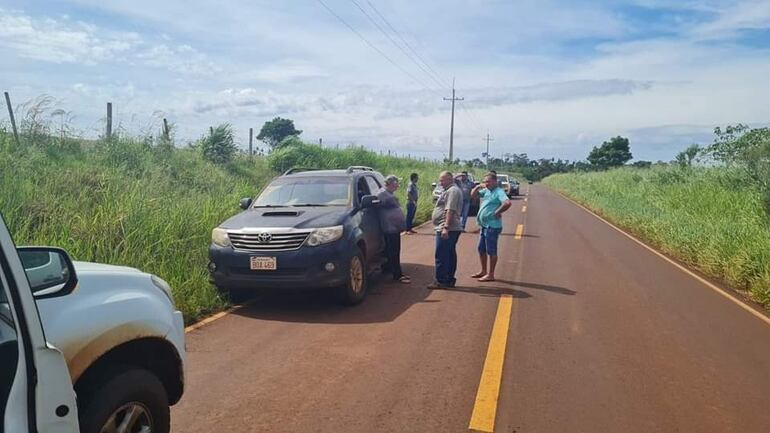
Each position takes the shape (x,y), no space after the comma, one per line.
(488,241)
(411,210)
(446,258)
(465,211)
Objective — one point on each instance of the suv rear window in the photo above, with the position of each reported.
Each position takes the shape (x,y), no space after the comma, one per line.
(307,191)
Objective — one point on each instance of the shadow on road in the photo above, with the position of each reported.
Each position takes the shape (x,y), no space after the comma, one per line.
(554,289)
(489,291)
(386,301)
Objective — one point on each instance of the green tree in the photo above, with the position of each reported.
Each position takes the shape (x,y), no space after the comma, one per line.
(613,153)
(275,131)
(642,164)
(219,146)
(685,157)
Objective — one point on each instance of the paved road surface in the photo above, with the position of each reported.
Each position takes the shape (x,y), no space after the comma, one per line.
(597,334)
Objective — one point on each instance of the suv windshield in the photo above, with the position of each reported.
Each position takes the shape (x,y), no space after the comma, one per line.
(502,178)
(305,191)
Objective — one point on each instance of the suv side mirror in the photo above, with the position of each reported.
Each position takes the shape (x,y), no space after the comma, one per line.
(245,203)
(368,201)
(49,270)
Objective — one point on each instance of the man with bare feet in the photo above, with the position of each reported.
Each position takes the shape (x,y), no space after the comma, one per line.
(494,202)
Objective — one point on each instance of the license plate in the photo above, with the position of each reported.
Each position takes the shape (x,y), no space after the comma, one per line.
(263,264)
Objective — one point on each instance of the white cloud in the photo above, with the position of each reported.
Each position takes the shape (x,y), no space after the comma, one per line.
(75,42)
(61,41)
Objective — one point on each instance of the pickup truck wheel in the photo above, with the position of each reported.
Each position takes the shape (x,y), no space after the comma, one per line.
(354,289)
(129,401)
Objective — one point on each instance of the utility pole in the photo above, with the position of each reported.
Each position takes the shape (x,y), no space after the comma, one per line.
(452,122)
(488,139)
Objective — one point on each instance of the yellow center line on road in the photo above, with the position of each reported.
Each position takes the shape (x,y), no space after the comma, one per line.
(519,231)
(485,408)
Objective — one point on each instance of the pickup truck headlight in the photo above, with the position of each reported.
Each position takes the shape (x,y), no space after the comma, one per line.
(162,285)
(324,235)
(219,237)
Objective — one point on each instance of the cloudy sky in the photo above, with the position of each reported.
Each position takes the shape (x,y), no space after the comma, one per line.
(545,77)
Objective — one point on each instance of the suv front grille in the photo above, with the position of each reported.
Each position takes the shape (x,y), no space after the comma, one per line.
(268,241)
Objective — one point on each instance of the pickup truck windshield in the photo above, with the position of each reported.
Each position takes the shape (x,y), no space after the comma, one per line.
(310,191)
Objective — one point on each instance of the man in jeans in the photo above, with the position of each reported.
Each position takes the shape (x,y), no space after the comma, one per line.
(465,186)
(494,202)
(392,224)
(446,222)
(411,203)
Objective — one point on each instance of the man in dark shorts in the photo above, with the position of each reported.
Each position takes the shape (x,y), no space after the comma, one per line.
(494,202)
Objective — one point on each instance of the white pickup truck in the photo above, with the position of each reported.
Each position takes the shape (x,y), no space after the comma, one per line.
(120,336)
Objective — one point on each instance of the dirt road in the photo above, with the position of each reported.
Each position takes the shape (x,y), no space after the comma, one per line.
(585,331)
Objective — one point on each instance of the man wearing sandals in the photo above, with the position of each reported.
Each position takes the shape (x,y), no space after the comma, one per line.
(392,223)
(494,202)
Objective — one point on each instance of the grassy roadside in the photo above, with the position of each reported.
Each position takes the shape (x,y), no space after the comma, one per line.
(713,219)
(153,208)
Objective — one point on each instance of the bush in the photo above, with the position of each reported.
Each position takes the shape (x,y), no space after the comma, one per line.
(219,146)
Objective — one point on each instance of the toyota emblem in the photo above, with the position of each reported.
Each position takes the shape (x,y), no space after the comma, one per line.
(264,238)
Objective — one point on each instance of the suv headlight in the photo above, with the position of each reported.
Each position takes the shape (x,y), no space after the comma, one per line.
(324,235)
(219,237)
(162,285)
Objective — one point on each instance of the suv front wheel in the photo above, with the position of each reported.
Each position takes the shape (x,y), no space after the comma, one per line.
(354,289)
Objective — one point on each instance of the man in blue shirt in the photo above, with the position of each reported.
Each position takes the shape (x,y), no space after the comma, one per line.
(494,202)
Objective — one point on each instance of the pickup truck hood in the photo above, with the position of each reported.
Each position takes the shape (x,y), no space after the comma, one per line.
(88,267)
(288,217)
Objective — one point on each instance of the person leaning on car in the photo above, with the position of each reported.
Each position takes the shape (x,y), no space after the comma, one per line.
(392,223)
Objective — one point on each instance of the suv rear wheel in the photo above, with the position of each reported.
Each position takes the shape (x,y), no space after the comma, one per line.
(131,400)
(354,289)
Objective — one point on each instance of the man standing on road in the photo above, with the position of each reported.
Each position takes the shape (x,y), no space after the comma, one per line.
(392,223)
(411,203)
(494,202)
(465,186)
(446,221)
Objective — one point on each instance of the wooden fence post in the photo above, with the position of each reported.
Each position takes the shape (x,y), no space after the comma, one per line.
(13,119)
(166,132)
(251,141)
(108,132)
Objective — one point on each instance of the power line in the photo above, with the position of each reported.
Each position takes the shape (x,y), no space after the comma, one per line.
(407,44)
(393,41)
(374,47)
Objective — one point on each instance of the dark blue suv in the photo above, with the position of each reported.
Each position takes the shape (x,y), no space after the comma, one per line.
(308,228)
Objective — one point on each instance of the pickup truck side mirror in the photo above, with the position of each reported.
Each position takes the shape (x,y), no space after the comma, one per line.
(49,270)
(368,201)
(245,203)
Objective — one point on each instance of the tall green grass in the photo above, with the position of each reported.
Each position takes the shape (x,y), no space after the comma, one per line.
(713,219)
(150,207)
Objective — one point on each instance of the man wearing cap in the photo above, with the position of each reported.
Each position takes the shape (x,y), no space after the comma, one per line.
(392,223)
(465,186)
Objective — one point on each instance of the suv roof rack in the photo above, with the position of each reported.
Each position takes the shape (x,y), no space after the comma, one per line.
(297,170)
(353,168)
